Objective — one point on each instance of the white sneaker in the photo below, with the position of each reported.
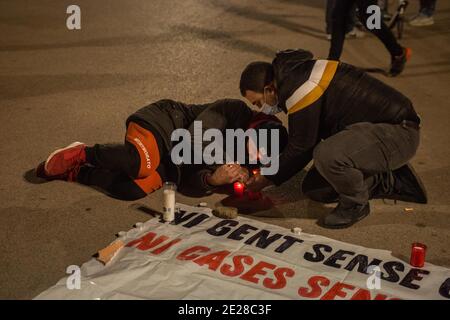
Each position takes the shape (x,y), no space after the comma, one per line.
(421,21)
(355,33)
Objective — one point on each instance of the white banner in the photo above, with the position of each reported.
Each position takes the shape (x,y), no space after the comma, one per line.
(199,256)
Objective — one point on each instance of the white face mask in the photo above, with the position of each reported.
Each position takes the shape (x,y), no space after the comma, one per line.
(269,109)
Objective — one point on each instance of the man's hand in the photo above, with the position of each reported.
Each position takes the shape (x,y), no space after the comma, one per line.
(227,174)
(257,183)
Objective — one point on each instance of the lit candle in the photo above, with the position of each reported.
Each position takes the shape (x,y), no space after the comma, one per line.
(239,189)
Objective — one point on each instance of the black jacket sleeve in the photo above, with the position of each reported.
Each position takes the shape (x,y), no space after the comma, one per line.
(220,115)
(224,114)
(303,137)
(194,181)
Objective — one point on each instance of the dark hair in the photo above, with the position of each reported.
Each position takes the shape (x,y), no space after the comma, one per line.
(256,76)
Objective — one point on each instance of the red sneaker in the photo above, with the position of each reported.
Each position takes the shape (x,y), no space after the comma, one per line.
(40,173)
(70,176)
(398,63)
(62,161)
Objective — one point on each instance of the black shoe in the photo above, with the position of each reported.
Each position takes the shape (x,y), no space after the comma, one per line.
(407,187)
(398,62)
(344,217)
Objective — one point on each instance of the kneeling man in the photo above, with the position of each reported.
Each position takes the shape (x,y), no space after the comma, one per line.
(360,132)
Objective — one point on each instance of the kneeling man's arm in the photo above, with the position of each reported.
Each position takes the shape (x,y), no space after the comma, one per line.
(303,137)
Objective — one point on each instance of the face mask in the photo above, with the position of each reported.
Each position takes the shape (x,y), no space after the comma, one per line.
(269,109)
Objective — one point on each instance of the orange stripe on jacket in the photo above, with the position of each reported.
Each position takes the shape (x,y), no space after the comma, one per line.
(147,146)
(150,183)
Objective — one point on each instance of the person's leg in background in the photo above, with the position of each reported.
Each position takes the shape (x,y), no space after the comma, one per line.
(354,26)
(362,150)
(339,19)
(328,17)
(426,13)
(350,19)
(384,5)
(399,55)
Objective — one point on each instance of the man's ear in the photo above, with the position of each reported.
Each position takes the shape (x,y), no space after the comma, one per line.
(271,86)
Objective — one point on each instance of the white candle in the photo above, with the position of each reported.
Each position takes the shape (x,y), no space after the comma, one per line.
(169,205)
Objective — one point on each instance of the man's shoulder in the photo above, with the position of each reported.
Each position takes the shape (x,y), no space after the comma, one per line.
(229,104)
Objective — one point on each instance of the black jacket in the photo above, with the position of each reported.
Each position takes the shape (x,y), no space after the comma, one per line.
(322,98)
(165,116)
(229,114)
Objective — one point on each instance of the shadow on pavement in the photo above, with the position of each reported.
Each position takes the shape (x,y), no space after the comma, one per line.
(30,177)
(274,19)
(227,39)
(22,86)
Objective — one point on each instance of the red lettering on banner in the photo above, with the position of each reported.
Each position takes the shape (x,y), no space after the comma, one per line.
(165,247)
(188,253)
(213,260)
(315,284)
(147,241)
(258,269)
(336,291)
(280,276)
(238,262)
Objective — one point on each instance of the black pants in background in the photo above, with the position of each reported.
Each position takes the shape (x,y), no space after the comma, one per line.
(351,164)
(349,20)
(339,23)
(427,7)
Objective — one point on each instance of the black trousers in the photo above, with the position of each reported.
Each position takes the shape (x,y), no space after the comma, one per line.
(113,168)
(428,7)
(127,171)
(353,163)
(339,22)
(349,19)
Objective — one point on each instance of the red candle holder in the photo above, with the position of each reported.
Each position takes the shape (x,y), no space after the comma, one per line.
(418,252)
(239,189)
(254,195)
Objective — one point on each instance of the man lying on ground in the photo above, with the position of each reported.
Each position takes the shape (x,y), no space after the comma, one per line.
(138,167)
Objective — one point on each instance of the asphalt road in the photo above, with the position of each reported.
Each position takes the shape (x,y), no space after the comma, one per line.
(58,86)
